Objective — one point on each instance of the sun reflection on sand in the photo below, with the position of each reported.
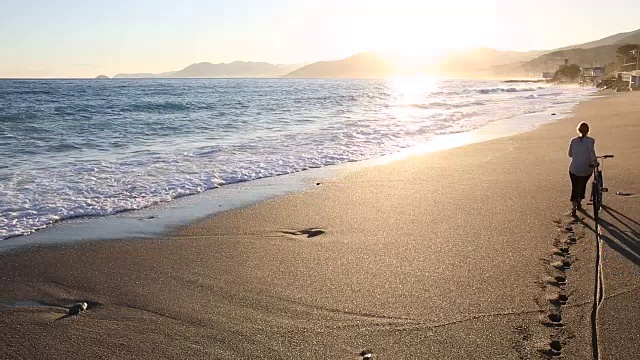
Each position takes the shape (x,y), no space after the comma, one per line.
(437,143)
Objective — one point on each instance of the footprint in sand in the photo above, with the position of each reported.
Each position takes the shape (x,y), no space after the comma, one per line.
(555,348)
(558,299)
(555,320)
(558,252)
(558,281)
(562,265)
(562,299)
(558,266)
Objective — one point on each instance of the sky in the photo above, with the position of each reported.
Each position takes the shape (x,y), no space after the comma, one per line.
(85,38)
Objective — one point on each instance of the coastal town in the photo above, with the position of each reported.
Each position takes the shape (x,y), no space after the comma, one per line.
(623,75)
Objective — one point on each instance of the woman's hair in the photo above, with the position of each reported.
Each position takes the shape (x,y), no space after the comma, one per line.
(583,129)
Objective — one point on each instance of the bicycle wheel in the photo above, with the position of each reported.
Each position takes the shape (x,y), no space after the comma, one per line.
(600,187)
(594,198)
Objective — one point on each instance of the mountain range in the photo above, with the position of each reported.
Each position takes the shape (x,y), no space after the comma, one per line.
(631,37)
(600,52)
(484,62)
(477,62)
(221,70)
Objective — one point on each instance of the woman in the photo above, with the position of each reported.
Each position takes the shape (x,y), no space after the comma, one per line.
(583,155)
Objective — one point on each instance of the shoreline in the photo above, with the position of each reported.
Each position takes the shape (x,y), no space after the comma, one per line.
(164,218)
(453,254)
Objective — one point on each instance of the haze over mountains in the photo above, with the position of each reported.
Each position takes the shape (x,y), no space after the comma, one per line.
(222,70)
(478,62)
(631,37)
(597,56)
(594,53)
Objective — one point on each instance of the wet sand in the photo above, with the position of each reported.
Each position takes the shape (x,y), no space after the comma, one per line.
(458,254)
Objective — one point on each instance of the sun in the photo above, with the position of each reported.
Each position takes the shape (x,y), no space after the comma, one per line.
(420,29)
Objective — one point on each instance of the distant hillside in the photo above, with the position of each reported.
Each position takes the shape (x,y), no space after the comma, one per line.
(374,65)
(475,62)
(598,56)
(512,70)
(482,58)
(595,53)
(234,69)
(222,70)
(364,65)
(601,55)
(631,37)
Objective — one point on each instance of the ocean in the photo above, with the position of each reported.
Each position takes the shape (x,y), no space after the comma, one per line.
(93,148)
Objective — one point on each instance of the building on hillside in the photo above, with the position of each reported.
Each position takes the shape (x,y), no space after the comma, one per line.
(597,71)
(634,80)
(633,61)
(628,80)
(591,75)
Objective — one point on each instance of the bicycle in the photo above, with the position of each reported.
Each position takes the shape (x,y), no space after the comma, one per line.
(597,186)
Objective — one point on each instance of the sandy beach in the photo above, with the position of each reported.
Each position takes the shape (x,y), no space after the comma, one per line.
(457,254)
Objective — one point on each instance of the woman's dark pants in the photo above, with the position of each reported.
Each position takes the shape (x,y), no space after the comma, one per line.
(578,186)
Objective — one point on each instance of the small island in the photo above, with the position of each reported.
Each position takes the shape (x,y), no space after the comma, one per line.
(102,77)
